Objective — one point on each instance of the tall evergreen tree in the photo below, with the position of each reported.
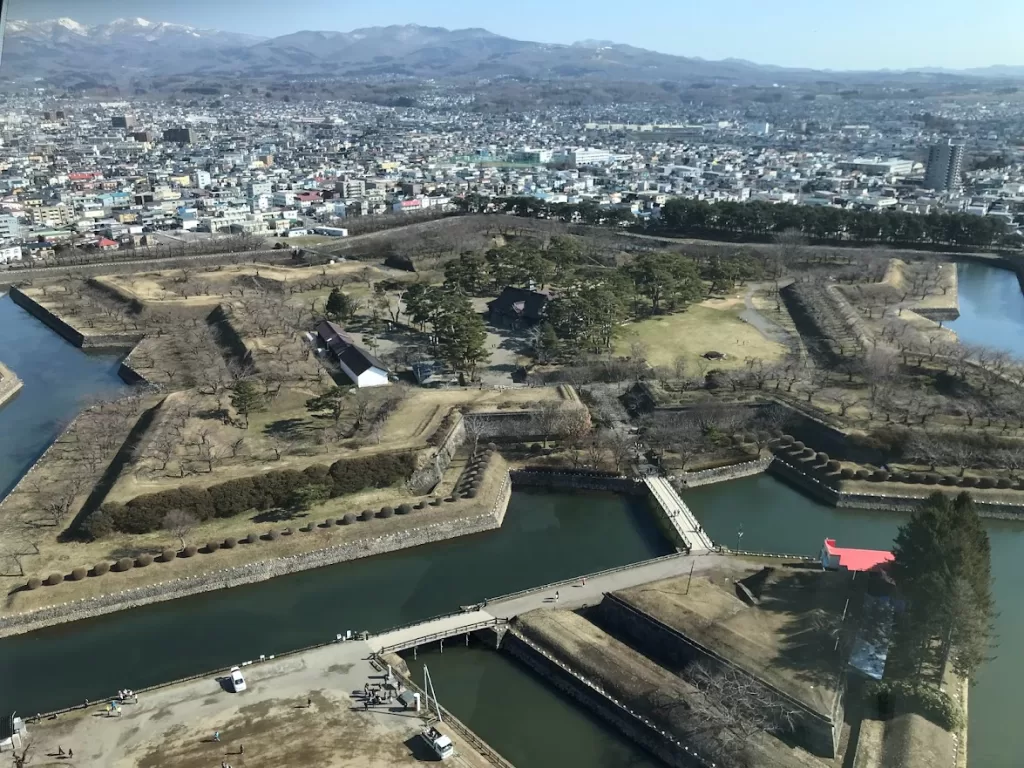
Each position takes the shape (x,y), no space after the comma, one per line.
(943,567)
(246,399)
(339,306)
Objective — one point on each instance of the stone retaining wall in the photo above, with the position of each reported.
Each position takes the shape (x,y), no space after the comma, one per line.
(721,474)
(886,502)
(669,647)
(46,317)
(259,571)
(68,332)
(591,696)
(577,481)
(10,384)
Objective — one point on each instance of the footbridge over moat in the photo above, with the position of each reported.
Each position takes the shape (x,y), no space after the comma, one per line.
(495,613)
(679,517)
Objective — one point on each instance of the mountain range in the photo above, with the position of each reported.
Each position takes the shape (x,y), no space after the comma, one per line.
(137,47)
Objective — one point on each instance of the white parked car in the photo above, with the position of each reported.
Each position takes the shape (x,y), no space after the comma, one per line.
(237,681)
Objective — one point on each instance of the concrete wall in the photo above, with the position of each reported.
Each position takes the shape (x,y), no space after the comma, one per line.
(589,694)
(675,650)
(721,474)
(259,571)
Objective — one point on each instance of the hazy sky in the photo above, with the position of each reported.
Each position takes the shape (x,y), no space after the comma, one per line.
(862,34)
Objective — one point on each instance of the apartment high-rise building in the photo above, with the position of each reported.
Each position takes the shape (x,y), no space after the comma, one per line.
(944,165)
(123,121)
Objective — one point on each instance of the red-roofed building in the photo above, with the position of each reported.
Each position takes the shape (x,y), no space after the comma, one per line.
(105,244)
(835,558)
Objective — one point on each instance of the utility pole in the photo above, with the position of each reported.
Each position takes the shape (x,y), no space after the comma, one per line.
(690,578)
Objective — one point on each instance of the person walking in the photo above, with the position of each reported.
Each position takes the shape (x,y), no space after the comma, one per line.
(216,735)
(241,749)
(584,581)
(309,703)
(71,753)
(556,595)
(60,750)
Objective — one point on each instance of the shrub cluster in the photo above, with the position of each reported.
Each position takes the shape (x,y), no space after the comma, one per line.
(899,696)
(232,497)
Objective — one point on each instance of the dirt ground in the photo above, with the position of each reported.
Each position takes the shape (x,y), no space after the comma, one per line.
(711,326)
(269,725)
(787,639)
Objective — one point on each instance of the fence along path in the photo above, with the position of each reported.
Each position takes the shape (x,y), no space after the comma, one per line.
(679,515)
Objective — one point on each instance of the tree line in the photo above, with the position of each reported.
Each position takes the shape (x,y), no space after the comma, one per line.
(759,220)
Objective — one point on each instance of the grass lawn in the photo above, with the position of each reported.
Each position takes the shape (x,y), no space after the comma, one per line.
(710,326)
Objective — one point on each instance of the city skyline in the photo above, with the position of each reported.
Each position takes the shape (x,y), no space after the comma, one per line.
(806,34)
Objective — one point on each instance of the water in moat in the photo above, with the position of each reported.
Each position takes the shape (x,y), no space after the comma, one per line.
(545,537)
(58,379)
(991,308)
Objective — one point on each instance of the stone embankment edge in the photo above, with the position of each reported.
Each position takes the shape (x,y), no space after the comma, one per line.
(10,384)
(263,570)
(632,724)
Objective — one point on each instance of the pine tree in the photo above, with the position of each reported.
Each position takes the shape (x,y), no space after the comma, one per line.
(246,399)
(339,305)
(943,567)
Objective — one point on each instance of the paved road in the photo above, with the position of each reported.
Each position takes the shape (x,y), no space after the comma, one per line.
(571,594)
(576,594)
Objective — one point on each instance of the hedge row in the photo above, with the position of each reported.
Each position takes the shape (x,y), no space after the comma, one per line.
(892,698)
(267,491)
(169,555)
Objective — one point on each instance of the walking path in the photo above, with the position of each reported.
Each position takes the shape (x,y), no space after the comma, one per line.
(572,594)
(679,515)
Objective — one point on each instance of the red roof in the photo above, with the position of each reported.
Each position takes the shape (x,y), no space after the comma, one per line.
(856,559)
(105,243)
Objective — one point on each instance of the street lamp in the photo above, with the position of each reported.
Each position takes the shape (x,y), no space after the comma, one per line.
(739,537)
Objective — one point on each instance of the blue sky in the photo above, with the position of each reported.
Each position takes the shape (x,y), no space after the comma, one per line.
(862,34)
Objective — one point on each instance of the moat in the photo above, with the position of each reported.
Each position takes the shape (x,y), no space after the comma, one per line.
(545,537)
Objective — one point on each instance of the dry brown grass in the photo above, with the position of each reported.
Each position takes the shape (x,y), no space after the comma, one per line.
(637,681)
(61,558)
(777,641)
(714,325)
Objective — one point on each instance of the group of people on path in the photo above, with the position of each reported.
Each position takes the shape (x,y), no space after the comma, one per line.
(60,752)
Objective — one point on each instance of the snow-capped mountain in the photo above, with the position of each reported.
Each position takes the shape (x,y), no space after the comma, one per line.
(33,48)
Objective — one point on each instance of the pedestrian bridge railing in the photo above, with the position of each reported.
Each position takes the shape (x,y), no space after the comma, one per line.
(459,629)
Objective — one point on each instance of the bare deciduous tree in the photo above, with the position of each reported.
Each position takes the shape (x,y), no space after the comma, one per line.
(180,523)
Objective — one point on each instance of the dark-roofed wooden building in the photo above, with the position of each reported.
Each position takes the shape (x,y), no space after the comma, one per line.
(364,369)
(518,308)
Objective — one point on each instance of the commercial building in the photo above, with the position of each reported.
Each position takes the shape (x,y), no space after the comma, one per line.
(123,121)
(179,135)
(945,162)
(876,166)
